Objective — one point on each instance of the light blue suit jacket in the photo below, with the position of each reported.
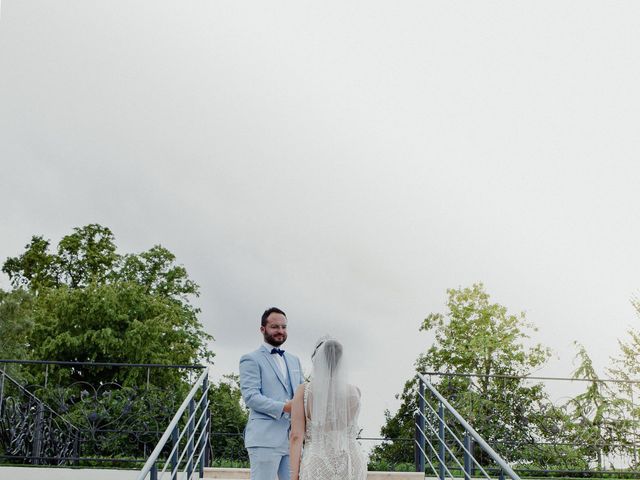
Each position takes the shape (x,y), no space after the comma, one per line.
(265,391)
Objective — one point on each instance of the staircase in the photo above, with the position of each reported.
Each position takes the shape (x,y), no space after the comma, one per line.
(442,435)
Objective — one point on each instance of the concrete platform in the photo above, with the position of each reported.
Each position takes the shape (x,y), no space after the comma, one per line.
(60,473)
(243,473)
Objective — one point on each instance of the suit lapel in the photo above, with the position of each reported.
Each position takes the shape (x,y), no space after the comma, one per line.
(286,362)
(275,367)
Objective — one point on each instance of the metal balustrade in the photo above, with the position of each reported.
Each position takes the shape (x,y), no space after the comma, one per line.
(193,437)
(552,431)
(51,415)
(30,430)
(448,436)
(47,422)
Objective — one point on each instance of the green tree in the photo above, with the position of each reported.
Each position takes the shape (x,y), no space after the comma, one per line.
(597,424)
(35,268)
(626,370)
(15,323)
(475,336)
(86,302)
(87,255)
(118,323)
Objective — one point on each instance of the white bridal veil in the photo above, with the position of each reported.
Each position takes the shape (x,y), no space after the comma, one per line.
(333,402)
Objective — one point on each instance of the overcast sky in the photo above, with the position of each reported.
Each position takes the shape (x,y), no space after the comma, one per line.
(346,161)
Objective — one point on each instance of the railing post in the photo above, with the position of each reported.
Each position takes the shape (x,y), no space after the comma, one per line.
(190,437)
(441,450)
(416,441)
(36,448)
(76,448)
(1,392)
(208,451)
(175,433)
(203,440)
(420,427)
(154,472)
(468,456)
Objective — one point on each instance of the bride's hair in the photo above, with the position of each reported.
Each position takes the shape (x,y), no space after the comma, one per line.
(332,352)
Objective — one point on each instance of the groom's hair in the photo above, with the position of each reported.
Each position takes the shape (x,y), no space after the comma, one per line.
(268,312)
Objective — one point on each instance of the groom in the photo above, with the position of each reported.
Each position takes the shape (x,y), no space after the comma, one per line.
(268,379)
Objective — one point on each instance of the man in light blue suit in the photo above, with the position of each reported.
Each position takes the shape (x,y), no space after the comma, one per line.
(269,377)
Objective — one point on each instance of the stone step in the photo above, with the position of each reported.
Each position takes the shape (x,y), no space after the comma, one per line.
(243,473)
(226,473)
(395,476)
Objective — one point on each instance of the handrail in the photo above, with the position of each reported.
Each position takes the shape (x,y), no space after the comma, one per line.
(528,377)
(100,364)
(172,425)
(476,436)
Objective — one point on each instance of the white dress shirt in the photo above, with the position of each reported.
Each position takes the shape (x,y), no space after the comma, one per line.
(279,360)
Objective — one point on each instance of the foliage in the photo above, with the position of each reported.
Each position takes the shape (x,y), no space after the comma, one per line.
(626,366)
(15,323)
(88,256)
(90,303)
(596,416)
(382,465)
(479,336)
(116,323)
(35,268)
(228,418)
(229,463)
(400,428)
(475,336)
(626,370)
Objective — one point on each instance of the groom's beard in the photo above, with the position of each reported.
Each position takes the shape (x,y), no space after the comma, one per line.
(275,341)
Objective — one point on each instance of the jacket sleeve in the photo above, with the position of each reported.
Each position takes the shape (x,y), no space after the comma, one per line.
(250,386)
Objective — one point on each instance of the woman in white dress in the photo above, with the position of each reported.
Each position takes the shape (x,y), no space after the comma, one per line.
(324,421)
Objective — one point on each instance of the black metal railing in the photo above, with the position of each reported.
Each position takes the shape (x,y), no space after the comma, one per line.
(30,431)
(50,413)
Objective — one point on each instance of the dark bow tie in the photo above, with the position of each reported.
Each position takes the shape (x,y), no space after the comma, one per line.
(278,351)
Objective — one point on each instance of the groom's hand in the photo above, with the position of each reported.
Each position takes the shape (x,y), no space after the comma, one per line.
(287,406)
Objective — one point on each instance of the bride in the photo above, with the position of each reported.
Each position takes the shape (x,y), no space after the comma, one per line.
(324,418)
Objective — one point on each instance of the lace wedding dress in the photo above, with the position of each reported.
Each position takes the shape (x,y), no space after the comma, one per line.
(324,457)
